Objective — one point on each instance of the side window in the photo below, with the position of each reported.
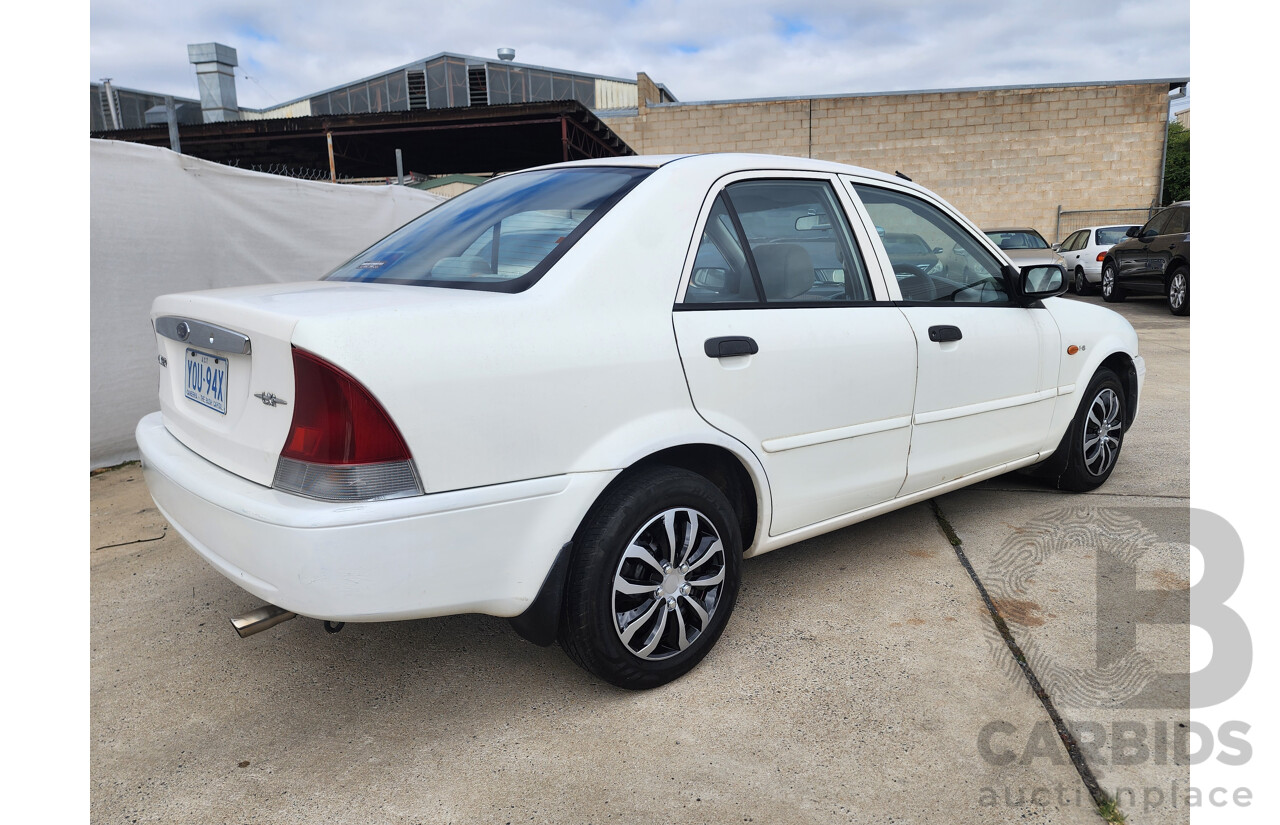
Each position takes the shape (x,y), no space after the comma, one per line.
(799,240)
(721,273)
(934,259)
(1157,224)
(1179,223)
(785,240)
(1076,241)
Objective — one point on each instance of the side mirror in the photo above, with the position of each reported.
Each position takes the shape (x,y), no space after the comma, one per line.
(1042,281)
(1132,232)
(1055,246)
(937,250)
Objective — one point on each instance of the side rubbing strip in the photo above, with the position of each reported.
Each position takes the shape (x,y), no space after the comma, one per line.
(791,442)
(984,407)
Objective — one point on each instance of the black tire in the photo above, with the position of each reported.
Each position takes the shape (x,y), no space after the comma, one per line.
(1178,291)
(635,512)
(1112,293)
(1080,284)
(1071,466)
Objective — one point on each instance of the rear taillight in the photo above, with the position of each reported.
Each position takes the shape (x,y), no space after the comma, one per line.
(1102,256)
(342,445)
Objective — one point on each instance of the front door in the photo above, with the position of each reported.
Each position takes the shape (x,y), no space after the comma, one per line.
(987,375)
(790,345)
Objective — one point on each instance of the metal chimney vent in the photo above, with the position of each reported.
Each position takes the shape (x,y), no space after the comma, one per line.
(506,54)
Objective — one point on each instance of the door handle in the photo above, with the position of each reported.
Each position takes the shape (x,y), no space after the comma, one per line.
(729,346)
(944,333)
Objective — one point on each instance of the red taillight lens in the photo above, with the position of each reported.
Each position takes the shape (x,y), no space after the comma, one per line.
(336,420)
(1102,256)
(342,445)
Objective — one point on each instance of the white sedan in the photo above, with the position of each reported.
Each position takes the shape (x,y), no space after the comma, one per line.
(1083,252)
(578,396)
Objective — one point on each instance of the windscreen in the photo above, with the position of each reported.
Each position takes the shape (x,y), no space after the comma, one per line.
(1111,235)
(500,236)
(1018,239)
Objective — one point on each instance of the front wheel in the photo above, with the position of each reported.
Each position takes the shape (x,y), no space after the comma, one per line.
(654,578)
(1111,291)
(1179,292)
(1091,447)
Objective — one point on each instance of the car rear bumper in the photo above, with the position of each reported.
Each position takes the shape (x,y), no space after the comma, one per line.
(481,550)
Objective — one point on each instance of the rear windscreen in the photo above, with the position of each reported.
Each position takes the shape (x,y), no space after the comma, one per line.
(500,236)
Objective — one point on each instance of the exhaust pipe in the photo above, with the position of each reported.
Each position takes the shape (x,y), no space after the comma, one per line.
(256,621)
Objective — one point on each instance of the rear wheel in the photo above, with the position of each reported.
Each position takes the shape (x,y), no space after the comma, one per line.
(1179,292)
(1080,285)
(655,573)
(1111,291)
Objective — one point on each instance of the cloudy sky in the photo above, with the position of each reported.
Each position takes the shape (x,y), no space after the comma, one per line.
(701,49)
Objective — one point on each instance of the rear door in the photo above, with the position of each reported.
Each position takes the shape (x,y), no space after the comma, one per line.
(1135,264)
(987,375)
(791,345)
(1163,245)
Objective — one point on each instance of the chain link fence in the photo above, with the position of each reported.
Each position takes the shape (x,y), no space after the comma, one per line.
(1071,220)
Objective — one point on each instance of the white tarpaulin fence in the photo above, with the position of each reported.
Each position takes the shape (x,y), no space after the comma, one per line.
(161,222)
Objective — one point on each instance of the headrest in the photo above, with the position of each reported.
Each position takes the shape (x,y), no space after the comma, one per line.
(786,270)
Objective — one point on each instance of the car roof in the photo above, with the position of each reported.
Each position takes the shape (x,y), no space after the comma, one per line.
(725,163)
(1012,229)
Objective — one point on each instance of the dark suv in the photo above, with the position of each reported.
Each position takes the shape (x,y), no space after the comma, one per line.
(1154,259)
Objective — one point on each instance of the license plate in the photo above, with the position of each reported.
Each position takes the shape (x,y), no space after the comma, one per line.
(206,381)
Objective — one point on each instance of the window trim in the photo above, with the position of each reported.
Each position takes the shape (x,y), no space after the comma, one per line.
(945,208)
(744,242)
(871,264)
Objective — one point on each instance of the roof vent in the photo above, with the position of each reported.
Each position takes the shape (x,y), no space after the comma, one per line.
(506,54)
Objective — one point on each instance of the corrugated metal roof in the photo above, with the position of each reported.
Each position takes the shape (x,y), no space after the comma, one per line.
(471,59)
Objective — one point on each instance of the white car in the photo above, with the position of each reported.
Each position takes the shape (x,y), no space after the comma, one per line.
(1083,252)
(578,396)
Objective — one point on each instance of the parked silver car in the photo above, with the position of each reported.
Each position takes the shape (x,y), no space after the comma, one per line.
(1025,246)
(1084,251)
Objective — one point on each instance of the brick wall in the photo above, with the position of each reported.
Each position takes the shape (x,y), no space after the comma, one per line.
(1007,156)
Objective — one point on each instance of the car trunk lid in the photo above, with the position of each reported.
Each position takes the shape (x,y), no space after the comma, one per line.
(227,382)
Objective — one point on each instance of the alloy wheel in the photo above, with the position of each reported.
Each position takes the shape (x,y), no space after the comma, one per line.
(1108,281)
(1101,432)
(1177,291)
(668,584)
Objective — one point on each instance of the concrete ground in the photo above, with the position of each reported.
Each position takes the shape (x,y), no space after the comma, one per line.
(862,677)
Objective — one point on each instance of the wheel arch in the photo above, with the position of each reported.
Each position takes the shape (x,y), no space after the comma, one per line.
(722,468)
(1122,365)
(740,479)
(1174,263)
